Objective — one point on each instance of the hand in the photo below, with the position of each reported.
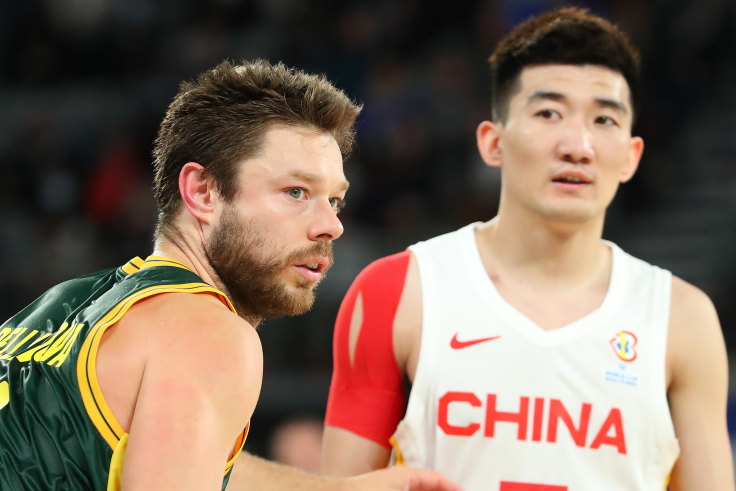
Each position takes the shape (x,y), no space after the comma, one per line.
(400,478)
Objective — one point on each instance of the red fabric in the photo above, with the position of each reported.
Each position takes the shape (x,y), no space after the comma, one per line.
(368,397)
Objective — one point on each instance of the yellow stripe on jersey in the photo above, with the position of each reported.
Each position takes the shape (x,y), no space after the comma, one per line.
(118,459)
(94,402)
(115,476)
(398,456)
(133,265)
(4,394)
(153,261)
(239,443)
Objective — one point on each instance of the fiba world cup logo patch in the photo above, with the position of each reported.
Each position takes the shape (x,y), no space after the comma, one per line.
(624,345)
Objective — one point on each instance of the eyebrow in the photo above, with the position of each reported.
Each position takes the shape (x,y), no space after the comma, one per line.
(313,178)
(556,96)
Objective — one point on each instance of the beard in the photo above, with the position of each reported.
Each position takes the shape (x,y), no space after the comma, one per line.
(250,266)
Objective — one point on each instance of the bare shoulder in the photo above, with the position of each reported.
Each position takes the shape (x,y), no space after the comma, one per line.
(692,314)
(198,321)
(204,342)
(690,302)
(200,381)
(697,391)
(190,343)
(694,329)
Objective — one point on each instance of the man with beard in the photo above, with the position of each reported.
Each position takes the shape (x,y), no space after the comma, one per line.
(145,376)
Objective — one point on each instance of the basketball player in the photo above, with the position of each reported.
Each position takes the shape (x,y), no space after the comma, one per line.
(540,356)
(145,376)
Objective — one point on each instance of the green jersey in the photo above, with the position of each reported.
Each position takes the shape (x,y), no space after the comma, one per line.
(56,429)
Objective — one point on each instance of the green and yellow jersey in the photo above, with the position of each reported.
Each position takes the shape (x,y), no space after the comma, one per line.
(56,430)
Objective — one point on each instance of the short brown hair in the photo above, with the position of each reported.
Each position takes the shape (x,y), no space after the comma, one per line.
(221,118)
(569,36)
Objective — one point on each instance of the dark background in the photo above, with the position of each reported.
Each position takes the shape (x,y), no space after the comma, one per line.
(85,83)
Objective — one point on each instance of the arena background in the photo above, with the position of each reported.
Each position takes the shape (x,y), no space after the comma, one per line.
(85,83)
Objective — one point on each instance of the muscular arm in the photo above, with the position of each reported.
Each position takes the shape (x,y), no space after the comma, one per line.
(375,346)
(255,474)
(345,453)
(697,392)
(199,387)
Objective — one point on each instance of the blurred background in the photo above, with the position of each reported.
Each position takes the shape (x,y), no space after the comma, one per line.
(85,83)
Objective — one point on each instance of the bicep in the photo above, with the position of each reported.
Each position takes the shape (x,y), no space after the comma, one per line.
(196,395)
(175,439)
(345,453)
(698,392)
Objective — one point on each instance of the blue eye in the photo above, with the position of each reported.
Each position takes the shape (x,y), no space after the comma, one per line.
(337,204)
(296,193)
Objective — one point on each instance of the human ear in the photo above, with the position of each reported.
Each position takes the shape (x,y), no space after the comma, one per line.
(487,139)
(636,148)
(197,190)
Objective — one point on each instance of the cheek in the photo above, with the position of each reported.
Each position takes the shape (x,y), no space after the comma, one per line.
(278,219)
(278,208)
(531,139)
(278,231)
(522,150)
(614,156)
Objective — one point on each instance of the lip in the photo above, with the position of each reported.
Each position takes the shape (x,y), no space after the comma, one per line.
(313,275)
(581,176)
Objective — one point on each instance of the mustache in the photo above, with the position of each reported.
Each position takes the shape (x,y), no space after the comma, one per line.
(321,249)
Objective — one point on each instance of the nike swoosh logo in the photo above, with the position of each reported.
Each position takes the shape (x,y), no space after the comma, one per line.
(457,344)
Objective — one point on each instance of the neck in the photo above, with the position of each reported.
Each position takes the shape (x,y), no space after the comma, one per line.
(542,250)
(189,249)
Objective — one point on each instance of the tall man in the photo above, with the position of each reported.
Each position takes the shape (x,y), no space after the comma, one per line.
(538,353)
(145,376)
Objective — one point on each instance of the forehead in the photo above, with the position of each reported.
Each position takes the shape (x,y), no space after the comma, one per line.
(574,82)
(289,149)
(298,140)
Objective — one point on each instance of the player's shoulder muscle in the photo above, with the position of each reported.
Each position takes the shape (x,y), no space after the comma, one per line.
(694,329)
(220,348)
(691,310)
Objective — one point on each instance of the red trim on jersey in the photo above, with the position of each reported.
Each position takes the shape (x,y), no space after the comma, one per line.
(368,396)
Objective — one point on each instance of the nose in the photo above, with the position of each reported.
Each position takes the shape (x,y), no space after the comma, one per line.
(325,226)
(576,145)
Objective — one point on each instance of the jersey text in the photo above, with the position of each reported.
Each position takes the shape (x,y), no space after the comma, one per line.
(532,413)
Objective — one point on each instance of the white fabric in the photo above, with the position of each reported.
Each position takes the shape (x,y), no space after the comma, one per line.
(629,442)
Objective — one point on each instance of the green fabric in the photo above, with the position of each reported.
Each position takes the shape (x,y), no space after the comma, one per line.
(47,439)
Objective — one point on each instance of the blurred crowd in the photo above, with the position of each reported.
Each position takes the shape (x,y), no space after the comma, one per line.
(85,83)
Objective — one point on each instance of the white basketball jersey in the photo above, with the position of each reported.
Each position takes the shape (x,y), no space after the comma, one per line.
(500,404)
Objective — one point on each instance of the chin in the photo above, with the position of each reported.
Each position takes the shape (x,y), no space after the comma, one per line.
(572,215)
(301,300)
